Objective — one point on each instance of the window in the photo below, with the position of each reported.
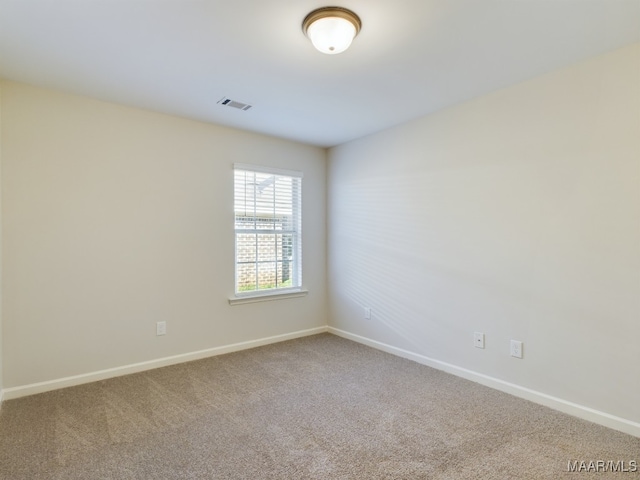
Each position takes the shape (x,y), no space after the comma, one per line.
(267,205)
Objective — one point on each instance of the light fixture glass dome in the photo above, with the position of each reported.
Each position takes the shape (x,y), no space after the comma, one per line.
(331,29)
(331,35)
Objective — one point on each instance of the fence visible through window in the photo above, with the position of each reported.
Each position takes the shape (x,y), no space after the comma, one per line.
(264,259)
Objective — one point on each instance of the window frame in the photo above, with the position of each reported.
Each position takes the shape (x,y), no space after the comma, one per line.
(295,231)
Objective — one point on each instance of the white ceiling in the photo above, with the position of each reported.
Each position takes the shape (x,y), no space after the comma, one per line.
(411,58)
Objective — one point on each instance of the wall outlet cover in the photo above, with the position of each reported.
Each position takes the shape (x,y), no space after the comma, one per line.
(161,328)
(478,339)
(516,349)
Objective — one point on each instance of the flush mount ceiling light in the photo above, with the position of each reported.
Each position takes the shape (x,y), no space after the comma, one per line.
(331,29)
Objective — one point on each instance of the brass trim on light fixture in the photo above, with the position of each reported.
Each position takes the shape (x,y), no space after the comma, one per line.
(331,12)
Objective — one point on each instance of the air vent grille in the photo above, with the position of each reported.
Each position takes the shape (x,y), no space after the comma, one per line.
(227,102)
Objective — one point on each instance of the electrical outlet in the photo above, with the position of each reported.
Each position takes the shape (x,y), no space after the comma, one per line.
(161,328)
(516,349)
(367,313)
(478,339)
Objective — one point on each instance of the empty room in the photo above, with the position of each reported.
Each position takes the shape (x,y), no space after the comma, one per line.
(275,239)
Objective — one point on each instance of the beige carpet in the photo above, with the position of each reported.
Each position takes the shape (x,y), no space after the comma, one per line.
(319,407)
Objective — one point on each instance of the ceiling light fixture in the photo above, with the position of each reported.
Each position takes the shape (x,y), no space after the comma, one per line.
(331,29)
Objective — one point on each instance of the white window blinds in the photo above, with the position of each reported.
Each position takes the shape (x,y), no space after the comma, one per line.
(267,204)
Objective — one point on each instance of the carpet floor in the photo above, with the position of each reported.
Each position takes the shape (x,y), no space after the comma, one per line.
(318,407)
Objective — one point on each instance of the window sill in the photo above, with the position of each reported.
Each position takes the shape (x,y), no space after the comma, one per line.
(267,297)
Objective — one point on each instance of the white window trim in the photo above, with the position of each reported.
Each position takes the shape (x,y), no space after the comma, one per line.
(267,296)
(275,294)
(275,171)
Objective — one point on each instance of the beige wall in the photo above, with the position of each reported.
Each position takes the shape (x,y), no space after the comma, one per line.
(116,218)
(516,214)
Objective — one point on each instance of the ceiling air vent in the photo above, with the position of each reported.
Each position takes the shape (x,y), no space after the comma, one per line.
(232,103)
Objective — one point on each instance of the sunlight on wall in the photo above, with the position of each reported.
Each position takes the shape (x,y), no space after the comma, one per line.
(517,215)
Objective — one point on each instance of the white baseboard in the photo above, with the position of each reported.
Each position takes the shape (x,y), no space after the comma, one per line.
(34,388)
(580,411)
